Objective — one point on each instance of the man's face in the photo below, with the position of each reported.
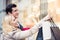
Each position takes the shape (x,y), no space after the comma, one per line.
(15,12)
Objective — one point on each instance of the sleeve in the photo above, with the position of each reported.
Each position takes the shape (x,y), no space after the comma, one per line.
(27,33)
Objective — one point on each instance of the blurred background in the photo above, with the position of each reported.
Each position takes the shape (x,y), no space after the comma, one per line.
(31,11)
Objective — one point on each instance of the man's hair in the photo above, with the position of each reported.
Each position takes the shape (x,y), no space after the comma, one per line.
(9,8)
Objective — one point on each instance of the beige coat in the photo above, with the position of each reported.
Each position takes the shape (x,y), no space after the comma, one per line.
(12,33)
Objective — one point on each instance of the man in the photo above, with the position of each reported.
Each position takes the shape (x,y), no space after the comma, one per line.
(10,25)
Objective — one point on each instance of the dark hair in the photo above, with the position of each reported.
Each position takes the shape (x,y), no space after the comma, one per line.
(9,8)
